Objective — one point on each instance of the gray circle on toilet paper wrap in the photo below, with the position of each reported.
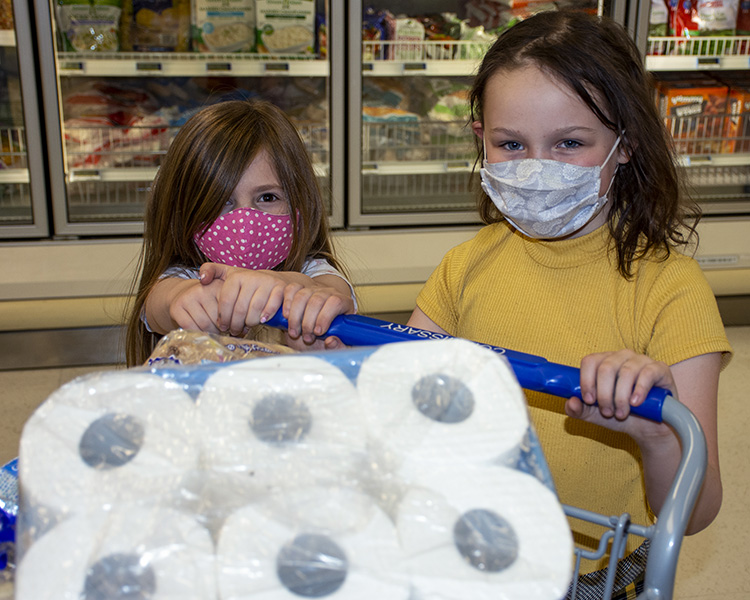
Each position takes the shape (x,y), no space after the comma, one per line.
(312,566)
(443,398)
(111,441)
(281,418)
(485,540)
(119,577)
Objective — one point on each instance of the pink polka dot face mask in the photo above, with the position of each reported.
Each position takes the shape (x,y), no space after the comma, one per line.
(248,238)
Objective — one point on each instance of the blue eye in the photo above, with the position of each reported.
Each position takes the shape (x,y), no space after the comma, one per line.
(570,144)
(512,146)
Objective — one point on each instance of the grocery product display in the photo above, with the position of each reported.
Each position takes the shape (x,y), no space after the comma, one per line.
(23,206)
(384,116)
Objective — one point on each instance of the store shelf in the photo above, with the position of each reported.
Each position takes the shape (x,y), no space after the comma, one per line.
(14,176)
(185,64)
(7,38)
(698,53)
(134,153)
(444,58)
(424,168)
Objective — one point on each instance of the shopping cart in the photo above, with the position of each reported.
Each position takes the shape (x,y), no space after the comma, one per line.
(537,374)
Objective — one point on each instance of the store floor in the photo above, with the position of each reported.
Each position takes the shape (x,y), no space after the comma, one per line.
(713,563)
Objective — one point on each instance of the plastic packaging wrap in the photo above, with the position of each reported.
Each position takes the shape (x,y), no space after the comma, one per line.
(405,471)
(8,514)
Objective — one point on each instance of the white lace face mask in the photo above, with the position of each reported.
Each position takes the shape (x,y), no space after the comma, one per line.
(545,199)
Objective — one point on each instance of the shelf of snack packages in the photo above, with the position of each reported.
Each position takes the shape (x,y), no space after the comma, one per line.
(97,153)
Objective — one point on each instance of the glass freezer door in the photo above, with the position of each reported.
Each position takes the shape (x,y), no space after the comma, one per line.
(22,178)
(114,102)
(411,152)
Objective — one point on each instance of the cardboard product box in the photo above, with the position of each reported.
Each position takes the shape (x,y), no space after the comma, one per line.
(733,121)
(737,128)
(696,117)
(285,26)
(406,30)
(223,25)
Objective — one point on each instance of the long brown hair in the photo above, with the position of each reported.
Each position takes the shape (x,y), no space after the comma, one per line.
(203,165)
(595,57)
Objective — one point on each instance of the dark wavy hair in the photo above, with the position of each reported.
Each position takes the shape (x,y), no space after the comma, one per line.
(203,165)
(594,56)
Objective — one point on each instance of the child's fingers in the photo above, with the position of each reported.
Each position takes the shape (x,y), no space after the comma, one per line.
(194,318)
(588,376)
(271,304)
(210,271)
(334,343)
(228,300)
(296,298)
(333,307)
(619,380)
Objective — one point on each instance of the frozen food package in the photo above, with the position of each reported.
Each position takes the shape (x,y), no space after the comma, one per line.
(6,14)
(373,28)
(743,20)
(695,117)
(89,25)
(440,27)
(717,17)
(658,18)
(489,14)
(406,30)
(228,26)
(683,18)
(285,26)
(155,25)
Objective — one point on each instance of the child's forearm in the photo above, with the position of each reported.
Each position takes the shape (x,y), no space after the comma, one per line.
(660,464)
(160,299)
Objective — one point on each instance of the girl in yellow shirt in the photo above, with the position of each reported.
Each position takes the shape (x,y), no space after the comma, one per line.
(579,261)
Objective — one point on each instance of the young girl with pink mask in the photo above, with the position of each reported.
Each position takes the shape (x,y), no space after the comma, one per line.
(235,229)
(581,261)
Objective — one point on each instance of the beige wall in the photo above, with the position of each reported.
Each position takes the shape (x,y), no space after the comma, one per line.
(62,284)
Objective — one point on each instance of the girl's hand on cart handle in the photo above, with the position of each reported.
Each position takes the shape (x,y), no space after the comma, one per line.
(614,384)
(619,380)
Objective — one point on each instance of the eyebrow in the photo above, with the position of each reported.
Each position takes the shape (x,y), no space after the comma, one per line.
(267,188)
(574,129)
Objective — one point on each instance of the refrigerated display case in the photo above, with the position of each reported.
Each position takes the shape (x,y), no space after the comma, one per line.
(703,78)
(411,145)
(409,142)
(23,206)
(113,102)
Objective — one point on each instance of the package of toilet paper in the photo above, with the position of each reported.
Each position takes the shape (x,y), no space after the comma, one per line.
(407,471)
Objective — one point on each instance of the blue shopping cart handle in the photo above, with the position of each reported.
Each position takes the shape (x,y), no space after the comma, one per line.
(533,372)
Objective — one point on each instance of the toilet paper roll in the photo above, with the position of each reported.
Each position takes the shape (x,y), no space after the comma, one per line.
(487,533)
(281,422)
(316,543)
(442,402)
(130,552)
(110,437)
